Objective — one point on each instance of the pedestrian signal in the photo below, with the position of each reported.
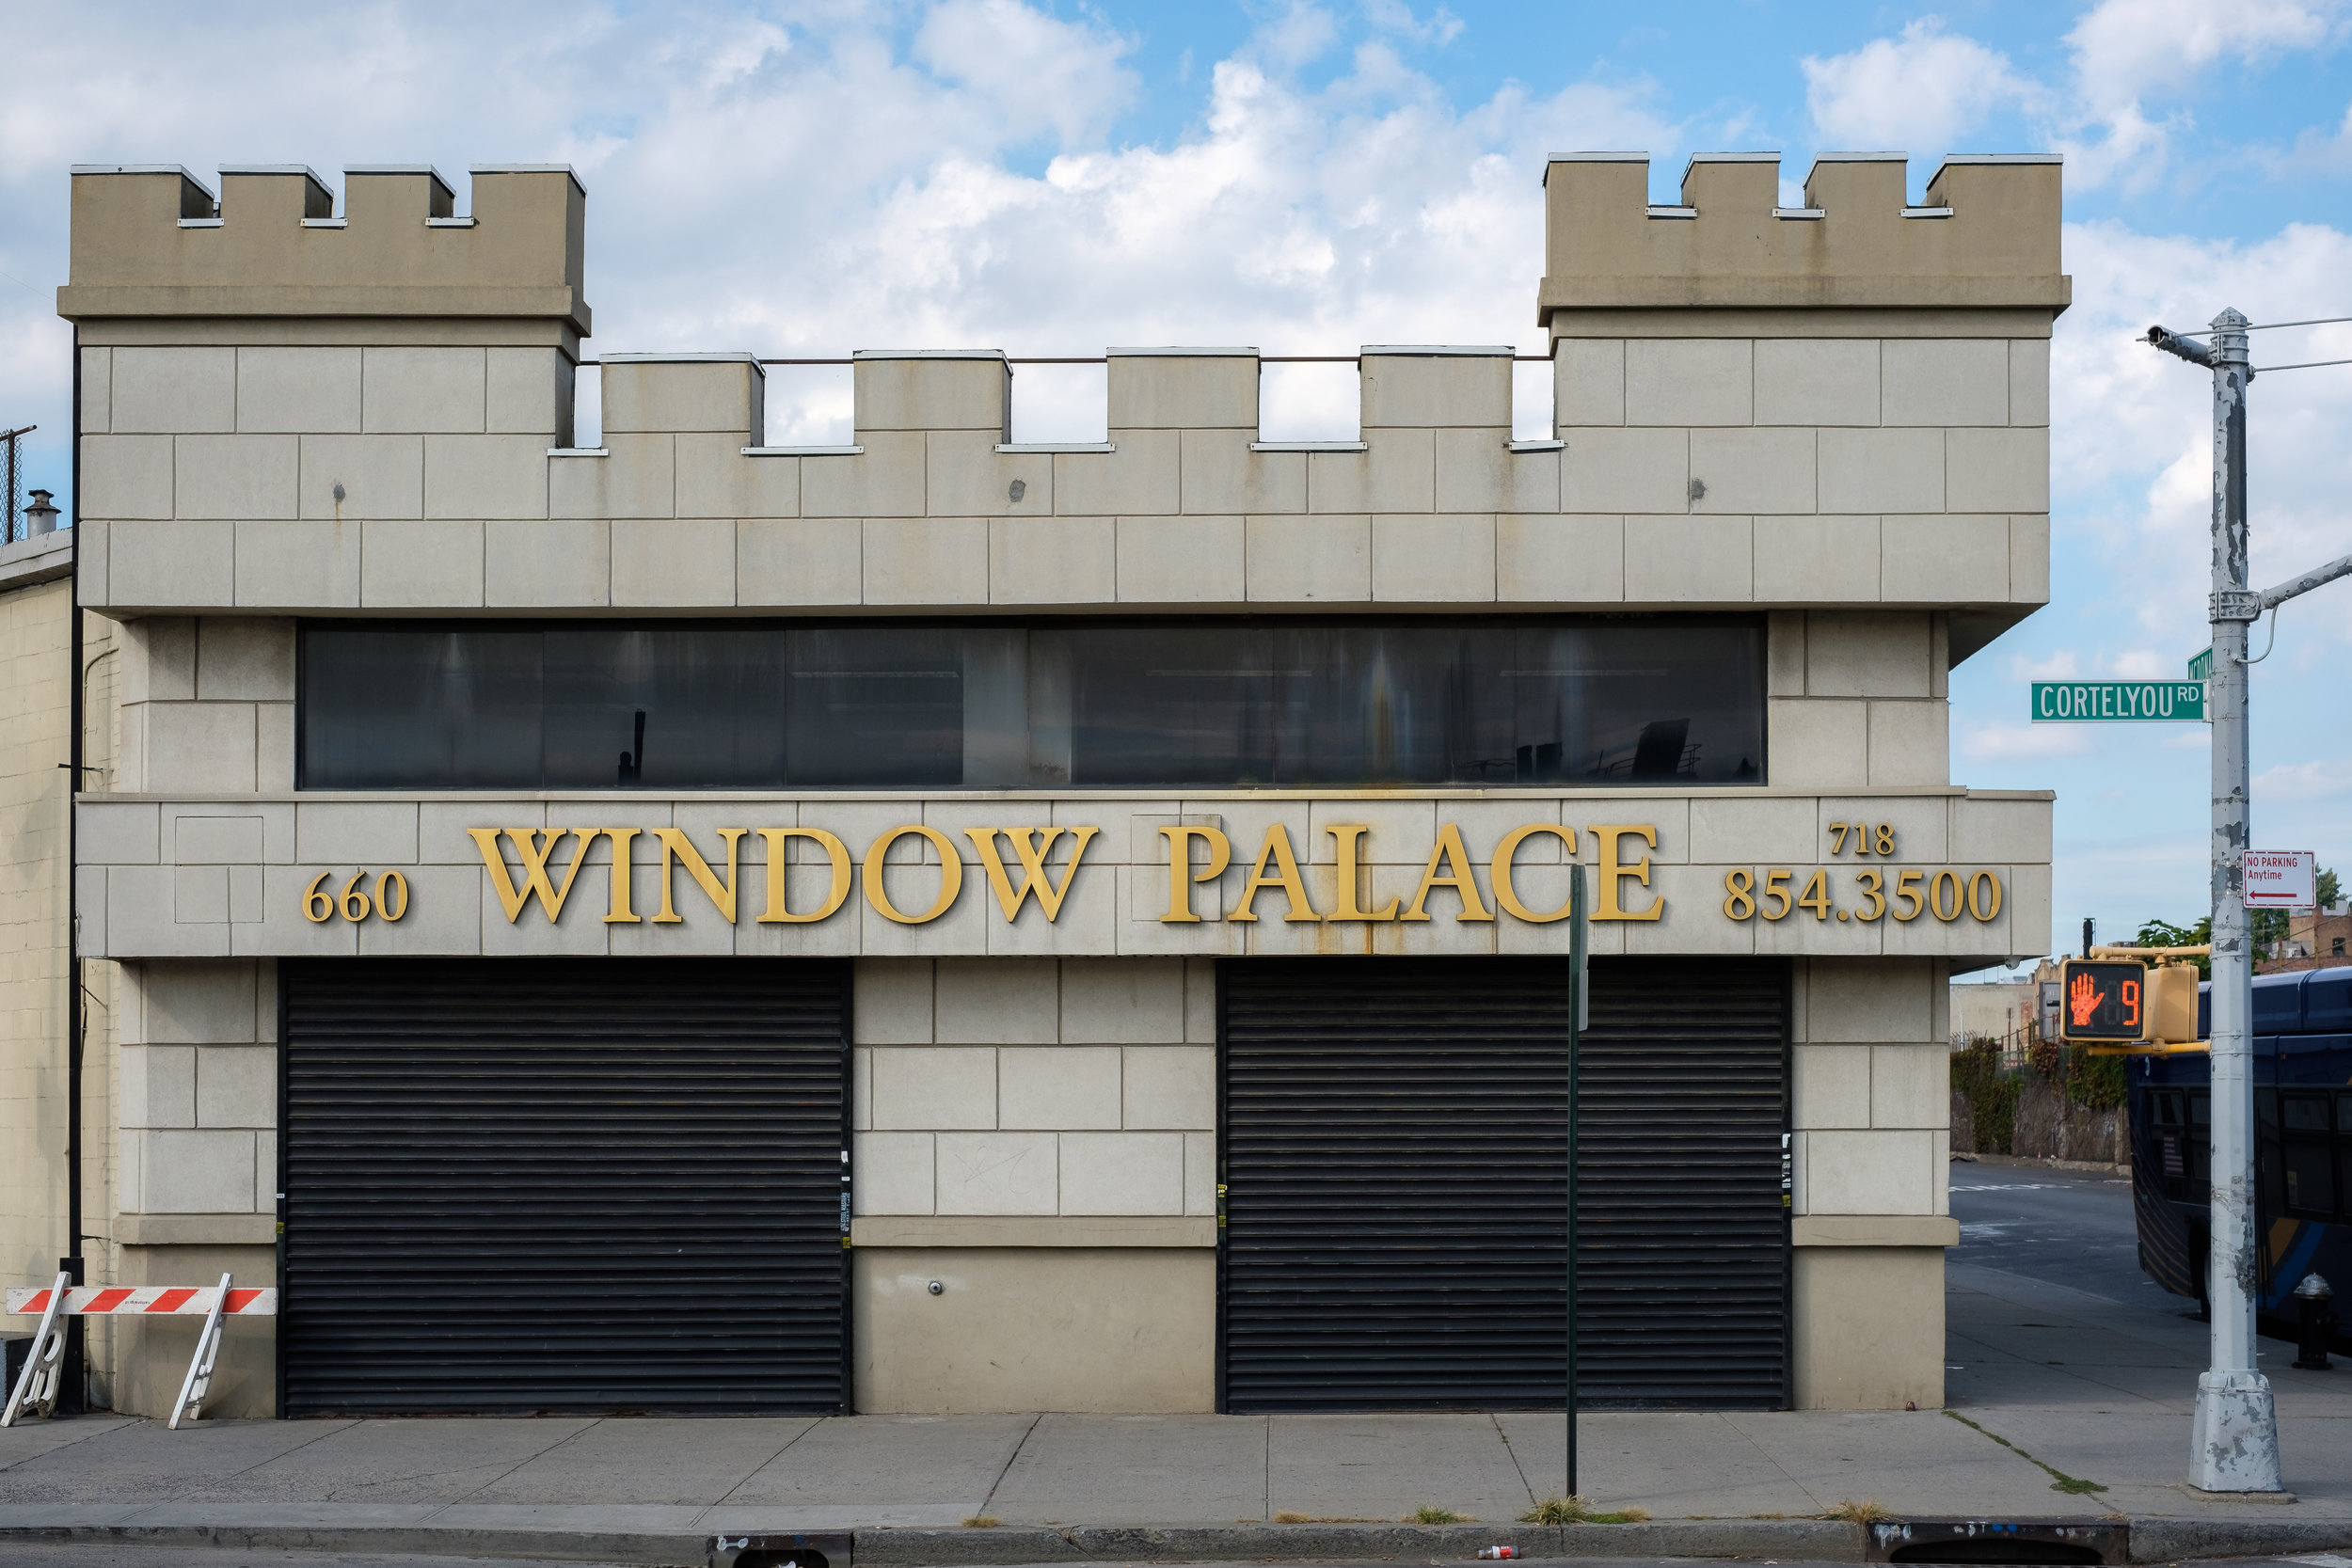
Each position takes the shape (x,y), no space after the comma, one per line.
(2102,999)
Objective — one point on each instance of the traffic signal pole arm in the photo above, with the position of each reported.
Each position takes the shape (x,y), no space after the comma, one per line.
(2202,354)
(2272,598)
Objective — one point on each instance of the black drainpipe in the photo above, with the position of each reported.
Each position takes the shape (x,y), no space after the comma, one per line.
(73,1395)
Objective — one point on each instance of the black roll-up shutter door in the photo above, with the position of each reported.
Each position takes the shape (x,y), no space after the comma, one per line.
(1394,1159)
(564,1185)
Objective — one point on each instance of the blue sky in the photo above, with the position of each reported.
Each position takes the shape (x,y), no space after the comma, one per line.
(1054,178)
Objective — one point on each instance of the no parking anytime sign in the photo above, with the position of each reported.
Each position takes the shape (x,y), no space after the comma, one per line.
(2281,879)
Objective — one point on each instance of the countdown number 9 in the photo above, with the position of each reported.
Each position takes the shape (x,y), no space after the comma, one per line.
(353,904)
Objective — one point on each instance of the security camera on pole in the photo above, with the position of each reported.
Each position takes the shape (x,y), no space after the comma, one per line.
(2234,1446)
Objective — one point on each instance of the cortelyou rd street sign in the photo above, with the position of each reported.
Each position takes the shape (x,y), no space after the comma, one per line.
(2201,668)
(2073,702)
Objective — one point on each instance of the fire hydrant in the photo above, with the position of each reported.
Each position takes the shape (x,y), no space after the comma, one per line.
(2317,1322)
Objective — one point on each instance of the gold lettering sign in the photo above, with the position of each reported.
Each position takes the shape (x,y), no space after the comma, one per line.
(1450,852)
(524,866)
(951,875)
(1613,870)
(1179,873)
(1508,895)
(1343,843)
(1036,882)
(1276,852)
(836,854)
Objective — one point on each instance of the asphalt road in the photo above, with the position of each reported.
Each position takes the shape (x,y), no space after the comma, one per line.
(45,1554)
(133,1555)
(2067,1228)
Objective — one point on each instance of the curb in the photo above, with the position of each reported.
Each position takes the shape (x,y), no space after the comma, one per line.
(2160,1540)
(2152,1539)
(662,1547)
(1813,1539)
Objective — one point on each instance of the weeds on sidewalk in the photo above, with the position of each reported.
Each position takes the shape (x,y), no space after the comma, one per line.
(2061,1482)
(982,1521)
(1429,1514)
(1868,1510)
(1579,1511)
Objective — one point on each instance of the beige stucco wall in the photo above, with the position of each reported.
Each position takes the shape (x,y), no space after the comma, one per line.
(35,694)
(1869,1327)
(1035,1329)
(36,675)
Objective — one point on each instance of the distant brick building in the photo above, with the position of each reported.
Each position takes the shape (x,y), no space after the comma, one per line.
(2316,939)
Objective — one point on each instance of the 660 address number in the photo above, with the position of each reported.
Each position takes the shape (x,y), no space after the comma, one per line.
(390,902)
(1946,893)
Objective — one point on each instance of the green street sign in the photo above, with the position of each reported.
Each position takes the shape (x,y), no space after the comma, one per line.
(2074,701)
(2201,668)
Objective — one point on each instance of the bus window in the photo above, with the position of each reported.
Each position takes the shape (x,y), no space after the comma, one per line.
(2344,1114)
(2308,1166)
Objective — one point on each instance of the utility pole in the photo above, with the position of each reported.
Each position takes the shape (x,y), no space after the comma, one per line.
(2233,1445)
(2233,1442)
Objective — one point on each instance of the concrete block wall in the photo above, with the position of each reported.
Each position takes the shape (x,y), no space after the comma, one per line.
(1035,1086)
(1857,699)
(199,1075)
(1870,1154)
(1871,1084)
(1814,471)
(1689,473)
(208,704)
(309,475)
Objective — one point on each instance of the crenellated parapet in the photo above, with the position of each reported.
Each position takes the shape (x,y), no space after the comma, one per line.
(151,241)
(1988,237)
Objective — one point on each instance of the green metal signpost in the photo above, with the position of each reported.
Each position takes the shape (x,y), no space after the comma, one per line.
(1578,1014)
(2077,702)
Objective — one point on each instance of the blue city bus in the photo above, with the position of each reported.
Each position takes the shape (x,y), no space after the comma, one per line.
(2302,1065)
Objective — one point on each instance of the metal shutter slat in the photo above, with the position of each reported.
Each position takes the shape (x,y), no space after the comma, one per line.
(1393,1147)
(564,1185)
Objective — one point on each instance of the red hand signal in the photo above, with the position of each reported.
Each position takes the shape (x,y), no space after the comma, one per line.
(2082,1000)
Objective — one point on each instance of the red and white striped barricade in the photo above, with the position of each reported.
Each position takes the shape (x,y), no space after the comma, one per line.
(36,1387)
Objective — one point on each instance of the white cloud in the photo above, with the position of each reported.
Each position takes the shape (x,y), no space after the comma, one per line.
(2303,781)
(1921,91)
(2127,52)
(1394,16)
(2142,664)
(2316,152)
(1995,743)
(2060,664)
(1037,71)
(2131,434)
(840,177)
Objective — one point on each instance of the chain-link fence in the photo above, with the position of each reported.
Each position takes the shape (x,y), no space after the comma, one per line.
(25,516)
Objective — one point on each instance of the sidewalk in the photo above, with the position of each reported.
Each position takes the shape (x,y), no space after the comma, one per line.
(2094,1389)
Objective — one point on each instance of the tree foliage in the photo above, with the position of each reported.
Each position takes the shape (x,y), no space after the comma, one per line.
(2163,933)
